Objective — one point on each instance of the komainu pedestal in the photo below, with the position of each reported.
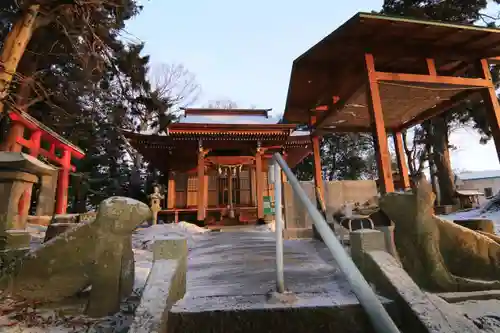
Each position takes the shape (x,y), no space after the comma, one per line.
(438,254)
(97,253)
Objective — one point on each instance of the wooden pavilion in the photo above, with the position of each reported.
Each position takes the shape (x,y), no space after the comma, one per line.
(216,161)
(384,74)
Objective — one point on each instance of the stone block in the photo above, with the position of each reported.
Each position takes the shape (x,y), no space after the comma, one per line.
(483,225)
(363,241)
(420,311)
(170,247)
(165,286)
(388,233)
(17,239)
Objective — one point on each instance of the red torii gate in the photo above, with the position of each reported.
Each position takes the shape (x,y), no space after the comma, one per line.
(39,132)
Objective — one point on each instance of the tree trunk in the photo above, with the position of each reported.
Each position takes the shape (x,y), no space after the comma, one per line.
(13,50)
(441,158)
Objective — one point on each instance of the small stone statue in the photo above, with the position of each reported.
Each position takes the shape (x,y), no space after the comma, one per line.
(156,197)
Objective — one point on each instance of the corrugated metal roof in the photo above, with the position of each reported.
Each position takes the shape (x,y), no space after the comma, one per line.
(470,175)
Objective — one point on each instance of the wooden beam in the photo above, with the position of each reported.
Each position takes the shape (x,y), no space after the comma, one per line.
(431,66)
(419,78)
(379,133)
(494,60)
(438,109)
(492,107)
(400,156)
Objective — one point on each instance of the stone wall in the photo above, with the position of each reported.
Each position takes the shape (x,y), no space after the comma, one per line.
(336,194)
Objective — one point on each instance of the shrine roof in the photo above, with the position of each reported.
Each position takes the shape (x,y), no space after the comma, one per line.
(334,68)
(229,129)
(227,116)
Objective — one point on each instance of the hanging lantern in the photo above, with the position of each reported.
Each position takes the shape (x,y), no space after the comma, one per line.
(220,171)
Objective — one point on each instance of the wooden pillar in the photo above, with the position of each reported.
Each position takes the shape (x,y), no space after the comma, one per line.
(63,183)
(400,156)
(201,185)
(171,191)
(35,141)
(253,186)
(378,125)
(259,184)
(492,107)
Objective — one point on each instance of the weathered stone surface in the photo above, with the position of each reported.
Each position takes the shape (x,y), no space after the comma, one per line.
(17,239)
(90,254)
(13,186)
(171,247)
(365,240)
(389,239)
(18,173)
(55,229)
(421,311)
(440,255)
(166,285)
(46,196)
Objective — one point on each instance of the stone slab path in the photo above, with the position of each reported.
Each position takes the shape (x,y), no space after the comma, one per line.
(237,270)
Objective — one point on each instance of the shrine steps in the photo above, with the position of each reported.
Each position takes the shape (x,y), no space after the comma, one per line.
(229,277)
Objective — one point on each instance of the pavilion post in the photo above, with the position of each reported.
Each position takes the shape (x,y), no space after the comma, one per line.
(201,185)
(400,156)
(171,191)
(63,183)
(259,184)
(318,174)
(490,99)
(379,132)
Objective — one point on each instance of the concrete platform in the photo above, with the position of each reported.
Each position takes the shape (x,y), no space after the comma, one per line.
(231,274)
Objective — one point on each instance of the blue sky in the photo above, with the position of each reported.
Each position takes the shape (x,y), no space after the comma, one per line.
(244,51)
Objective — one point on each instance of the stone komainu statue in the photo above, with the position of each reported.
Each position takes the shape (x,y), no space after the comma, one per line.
(97,253)
(440,255)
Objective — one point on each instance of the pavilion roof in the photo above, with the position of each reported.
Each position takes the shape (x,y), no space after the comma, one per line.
(331,75)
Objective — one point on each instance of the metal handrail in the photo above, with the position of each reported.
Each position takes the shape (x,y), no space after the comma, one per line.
(379,317)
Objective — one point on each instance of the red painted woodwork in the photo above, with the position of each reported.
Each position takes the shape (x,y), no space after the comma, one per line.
(39,133)
(63,183)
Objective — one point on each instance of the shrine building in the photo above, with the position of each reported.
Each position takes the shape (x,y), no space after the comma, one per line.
(216,162)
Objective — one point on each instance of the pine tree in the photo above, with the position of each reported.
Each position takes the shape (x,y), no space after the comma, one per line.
(82,80)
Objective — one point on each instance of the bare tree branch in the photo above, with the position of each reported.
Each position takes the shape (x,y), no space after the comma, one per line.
(177,83)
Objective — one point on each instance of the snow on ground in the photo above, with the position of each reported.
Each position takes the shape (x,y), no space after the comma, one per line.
(493,213)
(44,320)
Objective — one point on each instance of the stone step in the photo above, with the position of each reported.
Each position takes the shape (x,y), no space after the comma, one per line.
(242,314)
